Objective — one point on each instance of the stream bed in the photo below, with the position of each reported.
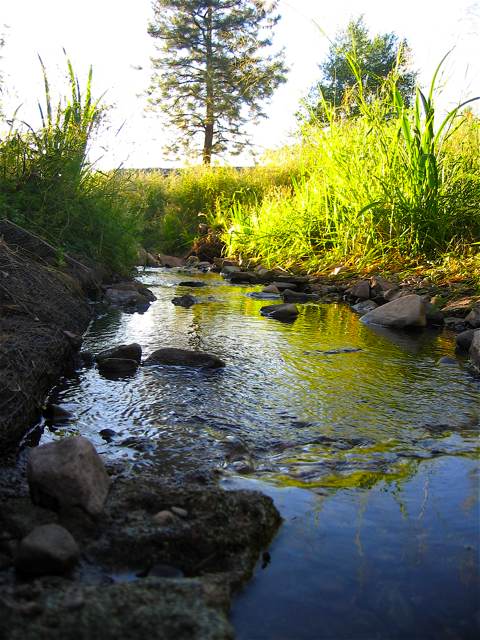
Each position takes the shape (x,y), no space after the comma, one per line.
(365,438)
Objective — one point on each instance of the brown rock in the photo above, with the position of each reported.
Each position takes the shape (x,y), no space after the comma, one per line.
(48,549)
(67,474)
(282,312)
(473,317)
(131,351)
(474,352)
(360,290)
(170,261)
(185,358)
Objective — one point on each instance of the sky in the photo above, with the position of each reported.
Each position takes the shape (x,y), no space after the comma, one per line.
(111,36)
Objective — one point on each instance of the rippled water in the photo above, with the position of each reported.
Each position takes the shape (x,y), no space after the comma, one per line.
(370,421)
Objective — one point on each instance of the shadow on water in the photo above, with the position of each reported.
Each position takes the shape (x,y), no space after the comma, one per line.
(367,444)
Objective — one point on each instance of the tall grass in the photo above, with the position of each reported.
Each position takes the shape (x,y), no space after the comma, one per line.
(391,184)
(48,186)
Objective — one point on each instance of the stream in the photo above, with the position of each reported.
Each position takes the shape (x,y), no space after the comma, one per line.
(366,440)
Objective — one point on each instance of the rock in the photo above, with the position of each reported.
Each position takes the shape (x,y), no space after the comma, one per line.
(184,301)
(48,549)
(180,512)
(380,286)
(434,315)
(117,366)
(282,312)
(243,277)
(192,283)
(455,324)
(68,473)
(125,297)
(57,414)
(107,434)
(192,261)
(474,351)
(87,358)
(228,269)
(464,339)
(408,311)
(131,351)
(473,318)
(393,294)
(151,261)
(296,296)
(283,286)
(75,340)
(458,308)
(164,518)
(271,288)
(261,295)
(184,358)
(170,261)
(365,306)
(360,290)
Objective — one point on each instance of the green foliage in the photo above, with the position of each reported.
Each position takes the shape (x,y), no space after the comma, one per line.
(376,58)
(48,186)
(214,70)
(391,185)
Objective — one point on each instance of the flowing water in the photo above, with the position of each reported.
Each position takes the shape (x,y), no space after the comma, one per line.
(364,437)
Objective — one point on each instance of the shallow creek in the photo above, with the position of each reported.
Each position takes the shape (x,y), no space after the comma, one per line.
(366,442)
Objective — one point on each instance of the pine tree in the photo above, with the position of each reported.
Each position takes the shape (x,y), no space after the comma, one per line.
(214,70)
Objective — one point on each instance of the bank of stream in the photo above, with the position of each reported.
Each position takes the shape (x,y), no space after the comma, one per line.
(366,438)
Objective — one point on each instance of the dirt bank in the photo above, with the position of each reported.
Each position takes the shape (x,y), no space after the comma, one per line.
(43,312)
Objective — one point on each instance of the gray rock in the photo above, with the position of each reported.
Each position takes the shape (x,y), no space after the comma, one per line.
(282,312)
(57,414)
(473,318)
(295,296)
(184,301)
(228,269)
(185,358)
(125,297)
(271,288)
(455,324)
(360,290)
(67,474)
(262,295)
(408,311)
(365,306)
(243,277)
(474,351)
(48,549)
(464,339)
(283,286)
(180,512)
(131,351)
(380,286)
(117,366)
(164,518)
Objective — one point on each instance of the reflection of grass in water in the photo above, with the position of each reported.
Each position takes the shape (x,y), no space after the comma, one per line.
(354,480)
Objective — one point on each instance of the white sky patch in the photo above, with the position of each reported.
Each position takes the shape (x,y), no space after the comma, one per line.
(112,36)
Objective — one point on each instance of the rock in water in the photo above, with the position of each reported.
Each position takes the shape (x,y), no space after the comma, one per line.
(184,358)
(473,318)
(474,352)
(117,366)
(131,351)
(184,301)
(282,312)
(365,306)
(408,311)
(48,549)
(464,339)
(66,474)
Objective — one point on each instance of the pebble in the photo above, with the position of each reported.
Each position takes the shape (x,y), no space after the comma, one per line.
(164,518)
(178,511)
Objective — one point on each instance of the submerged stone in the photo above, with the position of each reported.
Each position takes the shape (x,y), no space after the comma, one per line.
(184,358)
(282,312)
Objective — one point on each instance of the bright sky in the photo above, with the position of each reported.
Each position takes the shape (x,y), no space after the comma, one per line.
(111,35)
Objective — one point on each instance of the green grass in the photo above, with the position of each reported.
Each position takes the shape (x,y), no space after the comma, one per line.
(48,186)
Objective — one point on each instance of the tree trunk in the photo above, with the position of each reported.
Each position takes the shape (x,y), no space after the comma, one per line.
(209,114)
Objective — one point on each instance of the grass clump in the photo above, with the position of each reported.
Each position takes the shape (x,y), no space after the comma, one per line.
(391,185)
(48,186)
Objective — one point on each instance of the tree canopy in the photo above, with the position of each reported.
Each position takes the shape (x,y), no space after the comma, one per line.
(356,56)
(214,70)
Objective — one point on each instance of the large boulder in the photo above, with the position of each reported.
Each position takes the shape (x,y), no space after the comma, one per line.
(282,312)
(473,318)
(48,549)
(68,474)
(474,352)
(408,311)
(184,358)
(131,351)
